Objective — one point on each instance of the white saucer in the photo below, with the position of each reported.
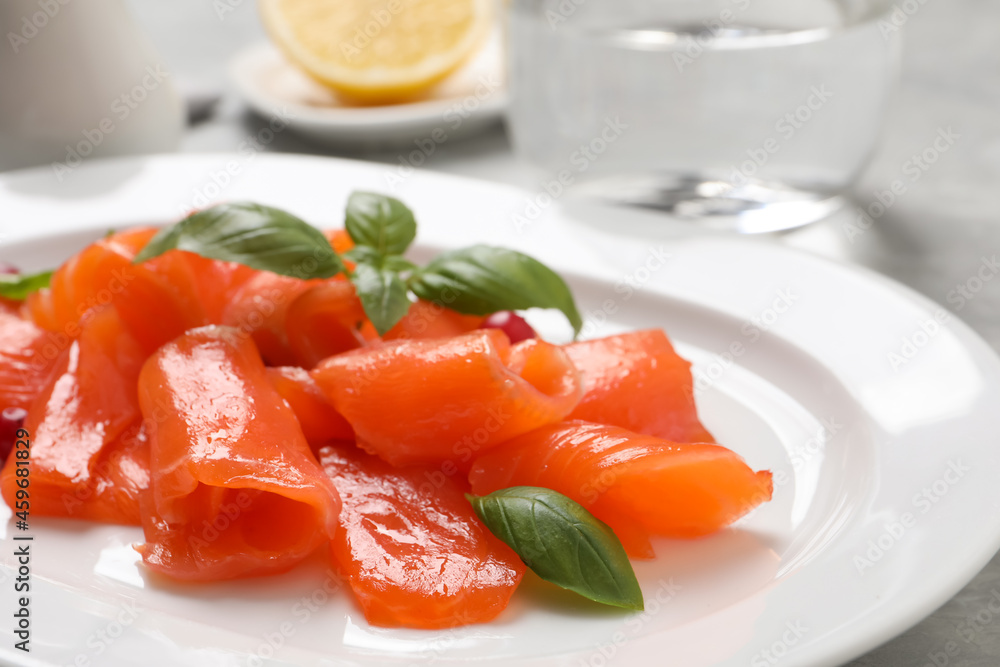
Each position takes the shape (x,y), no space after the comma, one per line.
(467,102)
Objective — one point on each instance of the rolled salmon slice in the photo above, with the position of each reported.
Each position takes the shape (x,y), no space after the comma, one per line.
(441,401)
(635,483)
(234,489)
(637,381)
(77,423)
(411,546)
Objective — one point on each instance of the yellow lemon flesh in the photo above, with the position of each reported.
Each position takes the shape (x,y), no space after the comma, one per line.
(378,51)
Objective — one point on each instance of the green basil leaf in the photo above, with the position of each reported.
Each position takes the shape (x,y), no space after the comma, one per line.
(562,542)
(380,222)
(17,286)
(480,280)
(383,295)
(261,237)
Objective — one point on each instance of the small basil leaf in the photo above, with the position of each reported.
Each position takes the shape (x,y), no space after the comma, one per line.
(380,222)
(383,295)
(17,286)
(480,280)
(261,237)
(562,542)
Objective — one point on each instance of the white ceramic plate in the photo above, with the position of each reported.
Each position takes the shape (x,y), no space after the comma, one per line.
(468,101)
(875,521)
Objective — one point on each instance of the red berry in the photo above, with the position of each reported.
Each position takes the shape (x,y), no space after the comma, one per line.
(11,420)
(512,324)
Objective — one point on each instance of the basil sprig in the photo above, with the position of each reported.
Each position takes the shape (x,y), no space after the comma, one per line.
(562,542)
(17,286)
(473,281)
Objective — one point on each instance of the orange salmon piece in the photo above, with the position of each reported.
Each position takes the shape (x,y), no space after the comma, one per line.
(234,489)
(443,400)
(215,282)
(627,479)
(414,551)
(430,320)
(325,320)
(81,418)
(637,381)
(319,420)
(259,308)
(24,367)
(157,300)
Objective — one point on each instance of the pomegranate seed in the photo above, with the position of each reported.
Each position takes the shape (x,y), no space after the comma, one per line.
(512,324)
(8,268)
(11,420)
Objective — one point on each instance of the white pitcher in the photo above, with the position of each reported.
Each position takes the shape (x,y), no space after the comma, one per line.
(78,80)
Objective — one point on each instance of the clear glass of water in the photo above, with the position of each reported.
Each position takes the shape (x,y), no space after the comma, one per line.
(751,115)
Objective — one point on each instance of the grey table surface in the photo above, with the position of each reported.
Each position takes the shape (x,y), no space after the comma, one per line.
(932,238)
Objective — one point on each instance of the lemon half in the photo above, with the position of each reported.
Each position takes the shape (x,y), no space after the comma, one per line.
(378,51)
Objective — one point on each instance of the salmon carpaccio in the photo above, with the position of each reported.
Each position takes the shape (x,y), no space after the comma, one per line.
(440,401)
(637,484)
(637,381)
(411,546)
(88,452)
(234,489)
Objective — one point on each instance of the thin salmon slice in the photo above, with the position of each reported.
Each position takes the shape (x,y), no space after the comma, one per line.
(430,320)
(261,306)
(259,309)
(215,282)
(120,477)
(443,400)
(637,381)
(325,320)
(234,490)
(339,240)
(157,300)
(92,277)
(26,358)
(411,546)
(319,420)
(629,480)
(86,407)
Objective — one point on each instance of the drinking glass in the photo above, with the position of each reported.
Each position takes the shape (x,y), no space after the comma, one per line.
(751,115)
